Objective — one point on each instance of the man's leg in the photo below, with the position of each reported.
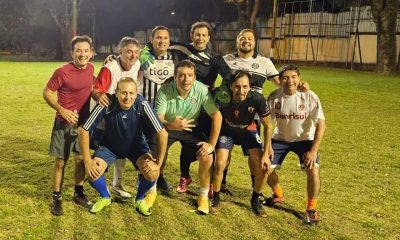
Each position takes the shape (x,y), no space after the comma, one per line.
(58,177)
(205,164)
(100,185)
(79,174)
(218,172)
(313,187)
(119,168)
(185,178)
(260,177)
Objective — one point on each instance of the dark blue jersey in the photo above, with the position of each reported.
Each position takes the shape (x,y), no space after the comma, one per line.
(239,117)
(124,129)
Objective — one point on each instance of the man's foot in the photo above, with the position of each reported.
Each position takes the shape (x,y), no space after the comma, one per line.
(183,185)
(120,192)
(100,204)
(257,207)
(202,205)
(311,217)
(271,201)
(57,209)
(142,207)
(82,200)
(163,185)
(215,203)
(150,198)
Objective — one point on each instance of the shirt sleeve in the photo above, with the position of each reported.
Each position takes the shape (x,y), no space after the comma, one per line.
(94,118)
(317,112)
(152,123)
(209,104)
(103,80)
(263,109)
(56,81)
(271,70)
(219,65)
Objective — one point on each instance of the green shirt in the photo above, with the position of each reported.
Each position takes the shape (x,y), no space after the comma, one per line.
(170,104)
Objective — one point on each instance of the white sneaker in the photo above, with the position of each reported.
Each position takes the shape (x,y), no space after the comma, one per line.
(119,191)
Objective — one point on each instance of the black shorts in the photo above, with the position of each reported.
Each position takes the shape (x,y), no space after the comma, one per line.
(188,140)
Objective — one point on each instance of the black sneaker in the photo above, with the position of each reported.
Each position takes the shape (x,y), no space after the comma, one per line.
(257,207)
(57,209)
(311,217)
(215,202)
(271,201)
(81,199)
(163,185)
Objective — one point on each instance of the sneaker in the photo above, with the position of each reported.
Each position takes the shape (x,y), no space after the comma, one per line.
(215,203)
(150,198)
(202,205)
(311,217)
(183,185)
(163,185)
(142,207)
(57,209)
(271,201)
(82,200)
(223,189)
(100,204)
(257,207)
(120,192)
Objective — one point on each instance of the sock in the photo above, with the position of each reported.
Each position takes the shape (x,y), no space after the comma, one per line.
(252,180)
(216,195)
(144,187)
(255,195)
(79,190)
(57,195)
(152,189)
(311,204)
(204,192)
(101,187)
(278,191)
(224,176)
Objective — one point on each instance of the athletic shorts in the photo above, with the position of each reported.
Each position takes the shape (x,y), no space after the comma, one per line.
(247,140)
(64,140)
(109,157)
(282,148)
(188,140)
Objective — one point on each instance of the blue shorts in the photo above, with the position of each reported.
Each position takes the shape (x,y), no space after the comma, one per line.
(109,157)
(282,148)
(247,140)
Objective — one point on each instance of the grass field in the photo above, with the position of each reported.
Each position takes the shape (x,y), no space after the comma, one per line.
(360,172)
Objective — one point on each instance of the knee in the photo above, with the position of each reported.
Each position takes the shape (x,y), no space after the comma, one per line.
(152,175)
(313,172)
(59,164)
(206,160)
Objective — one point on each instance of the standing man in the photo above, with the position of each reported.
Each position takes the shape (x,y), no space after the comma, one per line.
(300,126)
(126,65)
(178,106)
(127,119)
(238,127)
(68,92)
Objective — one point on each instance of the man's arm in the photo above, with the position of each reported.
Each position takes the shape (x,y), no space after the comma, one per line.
(311,155)
(101,86)
(268,151)
(51,99)
(162,141)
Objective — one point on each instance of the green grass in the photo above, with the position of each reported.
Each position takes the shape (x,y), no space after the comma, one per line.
(360,172)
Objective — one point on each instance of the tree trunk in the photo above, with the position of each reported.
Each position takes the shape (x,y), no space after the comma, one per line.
(385,17)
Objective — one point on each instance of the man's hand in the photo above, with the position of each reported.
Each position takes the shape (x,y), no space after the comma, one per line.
(309,159)
(204,150)
(151,170)
(145,57)
(266,160)
(109,58)
(70,116)
(93,169)
(303,86)
(103,99)
(181,124)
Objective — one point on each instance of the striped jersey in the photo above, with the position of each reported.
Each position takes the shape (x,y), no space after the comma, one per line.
(260,68)
(124,129)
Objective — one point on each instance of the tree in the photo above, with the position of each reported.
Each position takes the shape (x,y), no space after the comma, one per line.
(247,12)
(384,13)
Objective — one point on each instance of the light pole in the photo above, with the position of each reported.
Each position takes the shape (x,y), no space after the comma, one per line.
(74,19)
(272,50)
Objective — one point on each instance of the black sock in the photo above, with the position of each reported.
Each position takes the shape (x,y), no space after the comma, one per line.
(224,176)
(79,190)
(255,195)
(252,180)
(57,195)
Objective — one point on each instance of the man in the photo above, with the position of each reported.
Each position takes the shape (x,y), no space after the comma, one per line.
(178,106)
(127,119)
(238,127)
(72,83)
(300,126)
(125,65)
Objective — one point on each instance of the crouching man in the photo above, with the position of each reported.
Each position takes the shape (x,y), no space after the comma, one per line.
(128,119)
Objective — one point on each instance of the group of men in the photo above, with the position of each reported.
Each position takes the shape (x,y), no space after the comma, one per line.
(144,106)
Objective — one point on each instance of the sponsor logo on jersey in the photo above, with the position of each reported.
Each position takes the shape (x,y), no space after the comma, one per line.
(236,113)
(231,124)
(250,109)
(291,116)
(162,74)
(255,66)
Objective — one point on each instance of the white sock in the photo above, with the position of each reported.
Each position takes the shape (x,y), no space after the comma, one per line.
(204,192)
